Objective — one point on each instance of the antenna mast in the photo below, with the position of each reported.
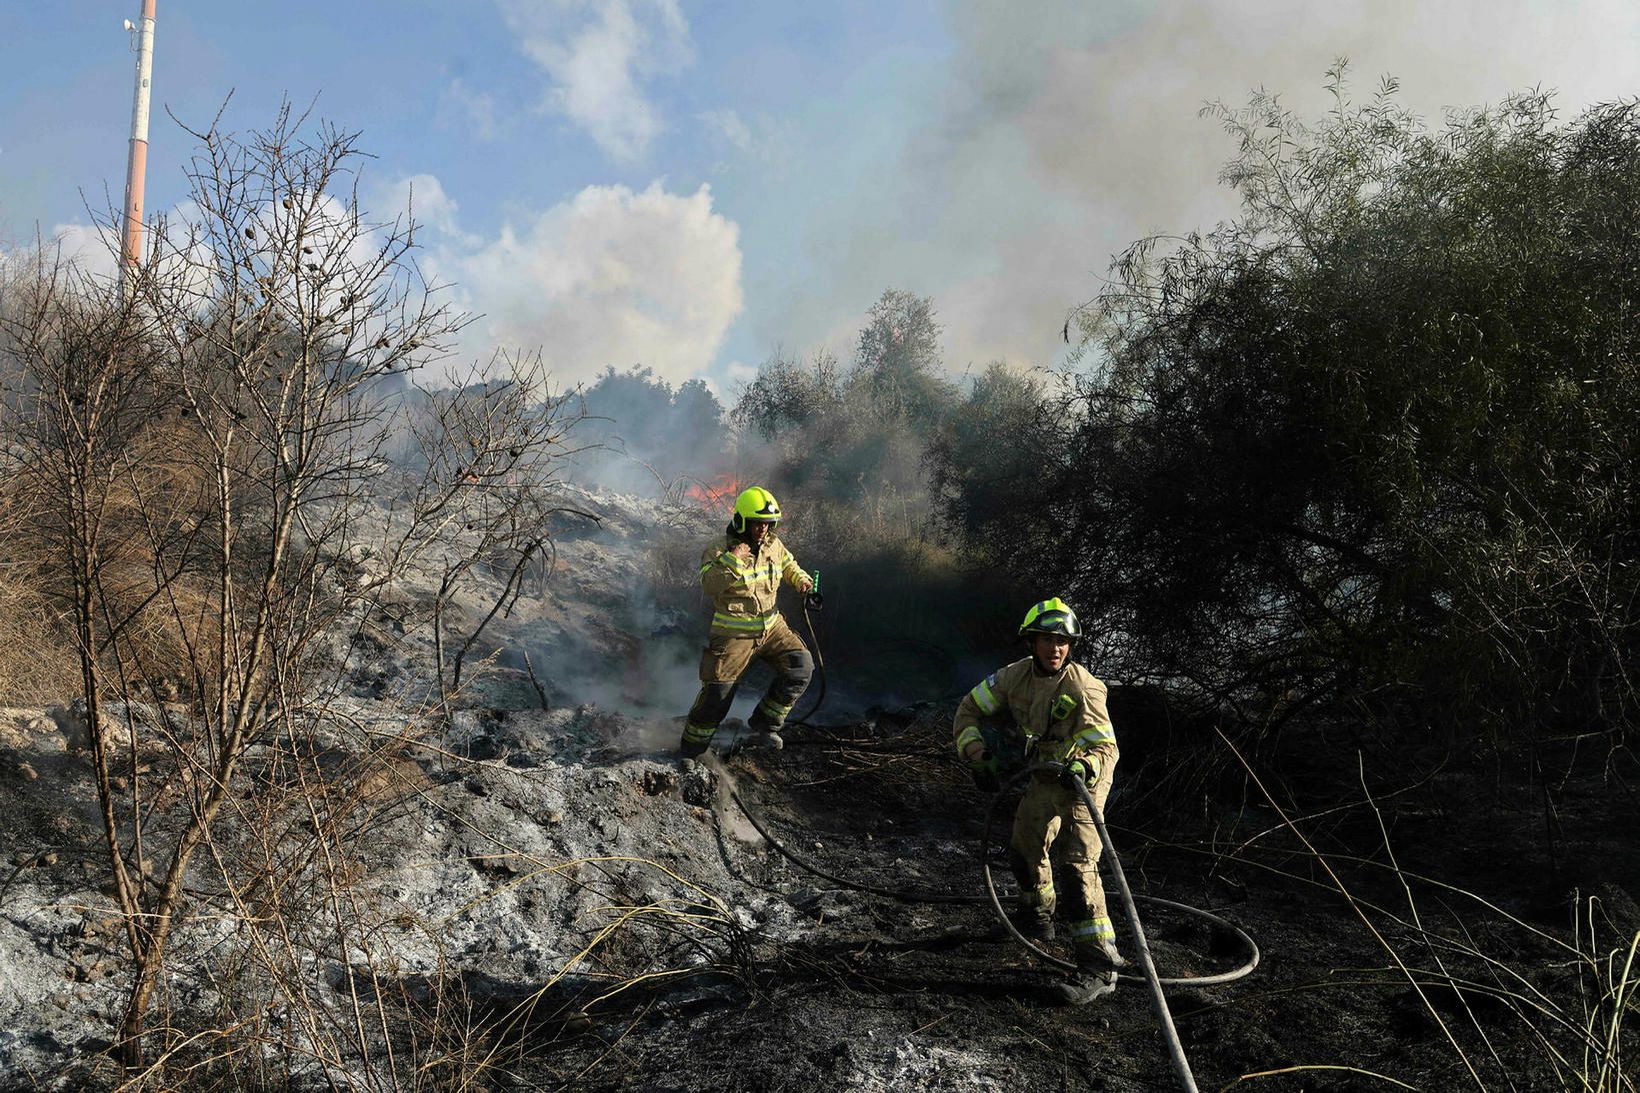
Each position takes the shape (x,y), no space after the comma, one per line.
(136,169)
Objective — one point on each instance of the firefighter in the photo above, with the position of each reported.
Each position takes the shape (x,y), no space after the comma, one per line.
(1059,707)
(741,572)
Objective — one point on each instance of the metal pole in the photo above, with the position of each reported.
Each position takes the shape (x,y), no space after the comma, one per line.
(136,169)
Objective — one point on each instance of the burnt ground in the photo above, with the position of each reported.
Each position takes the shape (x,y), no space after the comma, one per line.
(608,919)
(1475,871)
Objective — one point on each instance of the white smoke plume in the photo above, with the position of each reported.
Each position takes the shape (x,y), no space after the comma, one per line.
(1064,131)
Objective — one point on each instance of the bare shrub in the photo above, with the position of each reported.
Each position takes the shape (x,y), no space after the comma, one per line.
(206,458)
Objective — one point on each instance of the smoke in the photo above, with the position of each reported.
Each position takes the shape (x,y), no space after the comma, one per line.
(1063,132)
(641,435)
(599,59)
(610,277)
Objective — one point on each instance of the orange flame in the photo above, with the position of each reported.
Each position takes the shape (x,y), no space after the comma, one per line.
(725,487)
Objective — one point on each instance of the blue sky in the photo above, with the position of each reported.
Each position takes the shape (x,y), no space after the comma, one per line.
(692,186)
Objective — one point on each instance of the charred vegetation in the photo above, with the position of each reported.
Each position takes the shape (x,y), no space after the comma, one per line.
(360,771)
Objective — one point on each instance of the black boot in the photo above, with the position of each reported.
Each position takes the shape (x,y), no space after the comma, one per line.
(767,739)
(1034,923)
(1084,986)
(763,735)
(1093,978)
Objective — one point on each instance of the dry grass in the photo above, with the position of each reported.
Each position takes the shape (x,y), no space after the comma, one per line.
(37,660)
(1460,955)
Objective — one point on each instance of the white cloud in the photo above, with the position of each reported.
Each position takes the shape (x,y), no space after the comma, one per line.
(471,111)
(736,375)
(330,231)
(609,277)
(94,248)
(424,198)
(598,54)
(1065,131)
(728,125)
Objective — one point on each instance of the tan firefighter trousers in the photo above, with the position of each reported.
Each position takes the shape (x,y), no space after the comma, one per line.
(1052,822)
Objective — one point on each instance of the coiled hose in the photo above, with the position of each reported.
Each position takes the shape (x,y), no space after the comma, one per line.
(1149,975)
(991,897)
(1158,1000)
(1153,981)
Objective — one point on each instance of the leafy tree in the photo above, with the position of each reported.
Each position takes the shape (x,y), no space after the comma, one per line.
(861,433)
(845,448)
(1374,437)
(640,428)
(897,369)
(988,453)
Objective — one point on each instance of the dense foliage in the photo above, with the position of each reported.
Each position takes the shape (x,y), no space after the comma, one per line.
(1374,439)
(859,432)
(847,448)
(638,430)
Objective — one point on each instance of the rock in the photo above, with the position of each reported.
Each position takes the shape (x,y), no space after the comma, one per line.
(14,733)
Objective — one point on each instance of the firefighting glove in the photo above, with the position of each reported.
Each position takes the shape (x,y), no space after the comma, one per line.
(1085,771)
(985,770)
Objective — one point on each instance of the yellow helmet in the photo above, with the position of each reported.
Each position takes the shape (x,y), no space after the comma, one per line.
(754,505)
(1051,617)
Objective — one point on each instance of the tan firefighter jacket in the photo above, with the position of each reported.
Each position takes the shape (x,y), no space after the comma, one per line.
(1063,716)
(743,594)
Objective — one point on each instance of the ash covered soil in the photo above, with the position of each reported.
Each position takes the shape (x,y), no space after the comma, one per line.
(602,915)
(873,993)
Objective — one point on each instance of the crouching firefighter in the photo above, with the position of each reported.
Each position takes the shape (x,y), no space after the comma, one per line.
(1059,707)
(741,572)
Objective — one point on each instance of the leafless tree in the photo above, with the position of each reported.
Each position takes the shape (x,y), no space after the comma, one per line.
(211,449)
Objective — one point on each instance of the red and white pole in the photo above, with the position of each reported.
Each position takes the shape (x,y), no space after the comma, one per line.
(137,167)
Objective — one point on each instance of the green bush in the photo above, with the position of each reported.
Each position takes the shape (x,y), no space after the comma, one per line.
(845,450)
(1374,439)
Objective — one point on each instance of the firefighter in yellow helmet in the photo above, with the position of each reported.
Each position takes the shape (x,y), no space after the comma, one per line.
(742,572)
(1060,708)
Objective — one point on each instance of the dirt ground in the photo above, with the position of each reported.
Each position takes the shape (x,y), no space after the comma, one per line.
(884,994)
(1490,907)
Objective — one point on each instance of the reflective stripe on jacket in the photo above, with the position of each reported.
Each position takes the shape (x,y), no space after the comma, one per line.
(743,593)
(1063,716)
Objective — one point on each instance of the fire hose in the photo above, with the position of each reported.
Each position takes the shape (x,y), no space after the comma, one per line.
(813,602)
(1153,980)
